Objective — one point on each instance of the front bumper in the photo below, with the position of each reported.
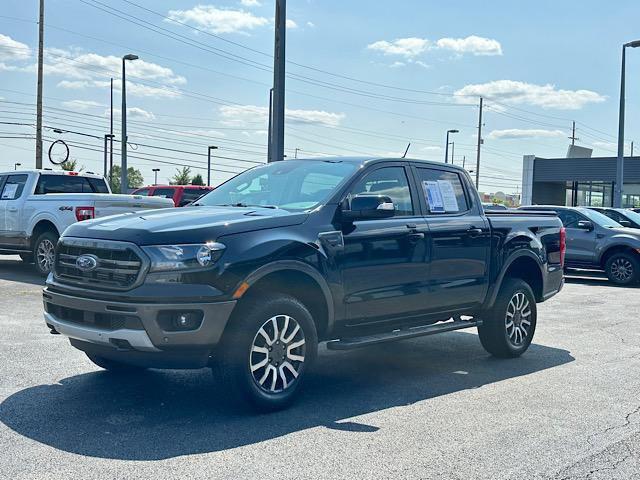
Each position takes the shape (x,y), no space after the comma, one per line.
(119,327)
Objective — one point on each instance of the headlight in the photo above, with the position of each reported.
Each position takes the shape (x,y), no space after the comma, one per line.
(165,258)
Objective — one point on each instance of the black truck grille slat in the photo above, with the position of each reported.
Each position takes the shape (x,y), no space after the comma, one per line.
(118,267)
(103,321)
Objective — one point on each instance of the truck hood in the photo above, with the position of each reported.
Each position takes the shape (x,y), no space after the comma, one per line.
(632,234)
(183,225)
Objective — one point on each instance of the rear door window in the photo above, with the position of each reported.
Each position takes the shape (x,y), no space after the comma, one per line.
(13,187)
(144,192)
(443,191)
(191,194)
(164,192)
(99,185)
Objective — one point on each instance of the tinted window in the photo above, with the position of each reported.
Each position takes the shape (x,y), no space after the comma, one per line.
(99,185)
(144,192)
(13,187)
(446,185)
(62,184)
(569,218)
(192,194)
(389,181)
(164,192)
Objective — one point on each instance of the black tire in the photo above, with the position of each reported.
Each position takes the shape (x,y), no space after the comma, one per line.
(236,355)
(26,257)
(623,268)
(114,366)
(42,254)
(496,335)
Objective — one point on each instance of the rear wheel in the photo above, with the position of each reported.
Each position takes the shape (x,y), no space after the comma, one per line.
(44,252)
(508,328)
(113,366)
(623,268)
(265,354)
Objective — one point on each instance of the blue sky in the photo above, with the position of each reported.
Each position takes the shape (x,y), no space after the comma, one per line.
(414,68)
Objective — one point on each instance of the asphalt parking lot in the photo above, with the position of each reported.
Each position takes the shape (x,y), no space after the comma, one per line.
(436,407)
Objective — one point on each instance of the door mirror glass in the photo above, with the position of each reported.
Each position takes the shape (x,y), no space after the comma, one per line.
(585,225)
(370,206)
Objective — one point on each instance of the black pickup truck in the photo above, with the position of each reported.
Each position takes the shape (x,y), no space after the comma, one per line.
(351,251)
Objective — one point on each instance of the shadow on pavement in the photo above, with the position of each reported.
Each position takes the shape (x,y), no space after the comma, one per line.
(18,271)
(164,414)
(594,279)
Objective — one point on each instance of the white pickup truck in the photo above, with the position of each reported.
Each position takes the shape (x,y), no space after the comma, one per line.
(36,206)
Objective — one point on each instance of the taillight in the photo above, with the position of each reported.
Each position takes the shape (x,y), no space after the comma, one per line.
(85,213)
(563,244)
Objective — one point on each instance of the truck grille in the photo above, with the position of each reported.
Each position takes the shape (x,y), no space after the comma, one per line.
(119,266)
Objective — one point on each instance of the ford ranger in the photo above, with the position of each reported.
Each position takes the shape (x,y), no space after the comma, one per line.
(350,251)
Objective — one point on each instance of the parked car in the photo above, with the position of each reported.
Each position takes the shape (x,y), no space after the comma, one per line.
(36,206)
(182,195)
(597,242)
(637,210)
(351,251)
(624,216)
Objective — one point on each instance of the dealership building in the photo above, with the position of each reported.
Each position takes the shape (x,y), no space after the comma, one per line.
(578,181)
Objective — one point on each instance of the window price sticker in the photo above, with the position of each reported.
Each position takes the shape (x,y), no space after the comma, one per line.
(441,196)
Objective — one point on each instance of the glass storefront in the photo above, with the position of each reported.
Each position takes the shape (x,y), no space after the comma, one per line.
(631,195)
(600,194)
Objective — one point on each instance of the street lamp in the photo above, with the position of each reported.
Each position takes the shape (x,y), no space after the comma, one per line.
(16,165)
(446,149)
(124,183)
(617,195)
(155,172)
(212,147)
(295,155)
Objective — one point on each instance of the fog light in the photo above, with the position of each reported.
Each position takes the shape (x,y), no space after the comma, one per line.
(186,320)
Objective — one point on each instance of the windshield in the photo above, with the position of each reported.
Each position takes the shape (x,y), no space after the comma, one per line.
(294,185)
(631,215)
(600,219)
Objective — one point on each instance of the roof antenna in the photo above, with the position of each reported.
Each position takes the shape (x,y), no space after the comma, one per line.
(405,152)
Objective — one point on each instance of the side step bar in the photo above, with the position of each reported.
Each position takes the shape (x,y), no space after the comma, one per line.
(357,342)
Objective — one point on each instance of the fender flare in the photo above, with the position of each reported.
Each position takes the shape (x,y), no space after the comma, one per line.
(282,265)
(507,264)
(43,216)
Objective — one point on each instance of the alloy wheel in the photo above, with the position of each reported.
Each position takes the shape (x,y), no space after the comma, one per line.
(45,255)
(621,269)
(518,318)
(277,354)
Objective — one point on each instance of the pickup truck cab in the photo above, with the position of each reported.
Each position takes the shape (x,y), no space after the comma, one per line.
(597,242)
(351,251)
(36,206)
(182,195)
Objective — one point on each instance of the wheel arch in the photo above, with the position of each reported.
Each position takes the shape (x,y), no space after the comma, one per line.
(40,227)
(526,266)
(618,248)
(299,280)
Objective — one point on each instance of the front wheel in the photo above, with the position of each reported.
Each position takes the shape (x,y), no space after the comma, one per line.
(44,252)
(623,269)
(507,329)
(265,354)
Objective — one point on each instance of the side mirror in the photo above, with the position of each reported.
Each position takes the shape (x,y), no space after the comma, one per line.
(625,223)
(585,225)
(370,206)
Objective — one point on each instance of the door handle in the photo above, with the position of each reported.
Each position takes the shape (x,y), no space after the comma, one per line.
(12,209)
(474,231)
(416,237)
(412,226)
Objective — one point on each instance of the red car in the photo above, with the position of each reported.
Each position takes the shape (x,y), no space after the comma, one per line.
(180,194)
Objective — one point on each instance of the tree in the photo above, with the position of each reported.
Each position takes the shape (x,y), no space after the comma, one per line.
(182,176)
(135,178)
(71,165)
(197,180)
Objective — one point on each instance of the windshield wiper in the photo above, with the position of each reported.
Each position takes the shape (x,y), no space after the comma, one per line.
(246,205)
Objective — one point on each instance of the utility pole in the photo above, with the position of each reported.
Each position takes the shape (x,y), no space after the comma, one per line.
(573,137)
(111,135)
(464,160)
(632,148)
(107,137)
(212,147)
(270,128)
(453,148)
(479,143)
(39,93)
(124,182)
(277,134)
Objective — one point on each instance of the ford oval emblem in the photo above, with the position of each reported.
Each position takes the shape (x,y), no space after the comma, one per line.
(87,263)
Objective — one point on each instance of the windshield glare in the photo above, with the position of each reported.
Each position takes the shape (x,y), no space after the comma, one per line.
(294,185)
(600,219)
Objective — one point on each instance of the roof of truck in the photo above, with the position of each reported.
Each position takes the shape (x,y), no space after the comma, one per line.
(52,172)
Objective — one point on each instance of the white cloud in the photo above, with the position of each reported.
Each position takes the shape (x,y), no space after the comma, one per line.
(11,50)
(515,92)
(517,133)
(250,3)
(291,24)
(431,149)
(82,104)
(406,47)
(135,113)
(243,114)
(218,20)
(471,44)
(311,24)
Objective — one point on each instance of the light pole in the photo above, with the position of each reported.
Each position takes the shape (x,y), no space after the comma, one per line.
(617,196)
(453,149)
(212,147)
(16,165)
(295,155)
(446,149)
(155,172)
(124,183)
